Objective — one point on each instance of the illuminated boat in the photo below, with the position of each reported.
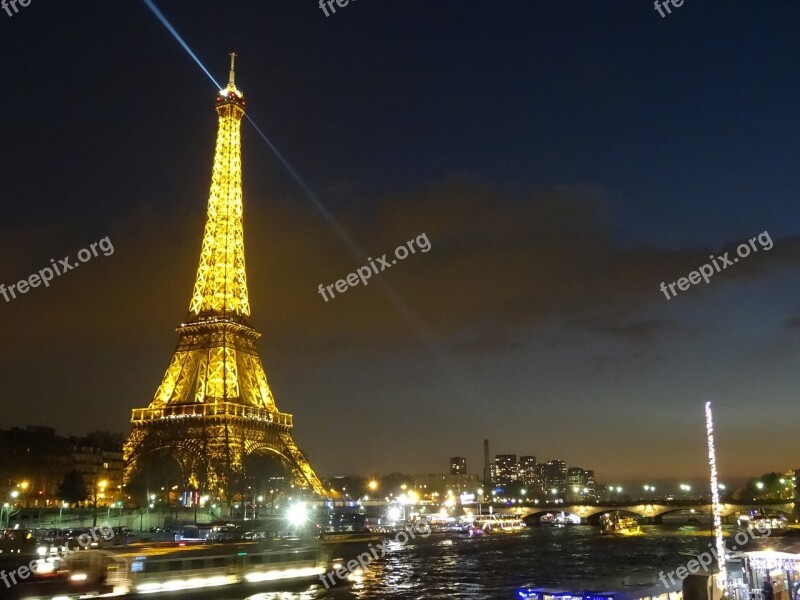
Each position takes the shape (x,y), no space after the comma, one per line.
(172,570)
(631,593)
(758,523)
(614,524)
(493,524)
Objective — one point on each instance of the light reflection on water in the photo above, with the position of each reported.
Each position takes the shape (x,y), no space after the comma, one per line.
(494,567)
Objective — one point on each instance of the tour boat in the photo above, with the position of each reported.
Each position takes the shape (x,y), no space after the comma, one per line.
(192,569)
(628,593)
(618,525)
(491,524)
(758,523)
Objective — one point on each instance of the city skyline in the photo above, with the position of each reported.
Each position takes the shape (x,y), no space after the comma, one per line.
(556,196)
(45,468)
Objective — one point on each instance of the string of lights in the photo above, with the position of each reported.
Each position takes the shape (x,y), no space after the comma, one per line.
(715,507)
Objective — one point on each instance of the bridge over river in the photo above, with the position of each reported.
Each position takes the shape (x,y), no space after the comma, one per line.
(652,510)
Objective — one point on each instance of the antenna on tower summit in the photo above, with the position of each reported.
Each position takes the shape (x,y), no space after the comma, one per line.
(232,74)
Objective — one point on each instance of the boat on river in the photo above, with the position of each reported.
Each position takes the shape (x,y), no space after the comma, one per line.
(494,524)
(616,524)
(192,570)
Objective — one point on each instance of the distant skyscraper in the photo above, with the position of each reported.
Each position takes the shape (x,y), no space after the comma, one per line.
(458,465)
(580,484)
(576,483)
(487,470)
(590,483)
(505,469)
(528,473)
(555,478)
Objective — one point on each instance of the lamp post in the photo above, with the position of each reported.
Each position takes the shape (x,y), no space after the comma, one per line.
(255,510)
(101,486)
(24,485)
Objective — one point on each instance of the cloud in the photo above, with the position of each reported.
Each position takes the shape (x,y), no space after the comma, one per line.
(793,322)
(639,331)
(498,265)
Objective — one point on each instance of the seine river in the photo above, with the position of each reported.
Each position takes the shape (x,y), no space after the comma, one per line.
(574,557)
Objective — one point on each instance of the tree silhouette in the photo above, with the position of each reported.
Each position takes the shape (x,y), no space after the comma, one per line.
(73,489)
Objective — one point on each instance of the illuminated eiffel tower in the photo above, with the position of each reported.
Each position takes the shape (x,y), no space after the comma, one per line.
(214,407)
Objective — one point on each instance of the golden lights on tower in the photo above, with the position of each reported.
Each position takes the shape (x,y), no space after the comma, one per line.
(216,375)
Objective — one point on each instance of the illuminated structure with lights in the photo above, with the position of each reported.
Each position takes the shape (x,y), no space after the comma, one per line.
(214,407)
(715,508)
(458,465)
(504,469)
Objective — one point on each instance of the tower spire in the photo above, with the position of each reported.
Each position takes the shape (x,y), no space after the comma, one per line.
(232,73)
(221,286)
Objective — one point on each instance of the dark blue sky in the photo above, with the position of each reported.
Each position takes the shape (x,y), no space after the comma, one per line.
(563,157)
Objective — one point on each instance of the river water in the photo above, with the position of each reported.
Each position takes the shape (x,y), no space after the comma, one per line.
(495,567)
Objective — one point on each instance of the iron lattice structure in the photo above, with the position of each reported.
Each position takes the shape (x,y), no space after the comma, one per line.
(214,406)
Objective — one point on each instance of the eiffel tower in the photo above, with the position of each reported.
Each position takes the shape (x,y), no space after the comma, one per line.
(214,407)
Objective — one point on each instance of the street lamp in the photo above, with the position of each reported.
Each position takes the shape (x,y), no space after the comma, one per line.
(101,485)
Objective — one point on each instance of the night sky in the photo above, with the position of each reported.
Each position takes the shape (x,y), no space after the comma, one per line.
(563,158)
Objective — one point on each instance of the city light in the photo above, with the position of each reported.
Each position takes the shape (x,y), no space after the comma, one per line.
(297,514)
(372,485)
(715,507)
(760,485)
